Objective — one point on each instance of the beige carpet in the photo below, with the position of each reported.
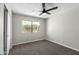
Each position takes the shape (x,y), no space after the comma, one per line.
(42,47)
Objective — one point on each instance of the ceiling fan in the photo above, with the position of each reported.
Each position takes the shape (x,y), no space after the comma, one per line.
(46,11)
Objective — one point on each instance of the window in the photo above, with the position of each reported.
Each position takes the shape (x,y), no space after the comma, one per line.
(36,26)
(29,26)
(26,26)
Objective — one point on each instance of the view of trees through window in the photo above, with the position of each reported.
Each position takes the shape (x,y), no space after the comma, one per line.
(36,26)
(26,26)
(29,26)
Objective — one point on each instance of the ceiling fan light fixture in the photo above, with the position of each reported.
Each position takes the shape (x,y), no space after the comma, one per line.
(44,11)
(44,14)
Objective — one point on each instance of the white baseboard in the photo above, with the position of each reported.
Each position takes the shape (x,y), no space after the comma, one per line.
(28,42)
(64,45)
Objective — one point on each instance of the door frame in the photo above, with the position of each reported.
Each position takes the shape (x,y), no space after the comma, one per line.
(5,28)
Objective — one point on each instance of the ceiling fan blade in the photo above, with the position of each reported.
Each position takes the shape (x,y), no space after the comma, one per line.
(43,5)
(52,8)
(41,13)
(48,13)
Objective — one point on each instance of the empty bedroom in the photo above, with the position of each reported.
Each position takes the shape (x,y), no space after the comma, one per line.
(43,29)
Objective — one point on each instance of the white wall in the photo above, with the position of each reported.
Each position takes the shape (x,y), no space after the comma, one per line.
(63,26)
(18,37)
(1,28)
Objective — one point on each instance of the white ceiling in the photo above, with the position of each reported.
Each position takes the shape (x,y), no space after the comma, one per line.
(32,9)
